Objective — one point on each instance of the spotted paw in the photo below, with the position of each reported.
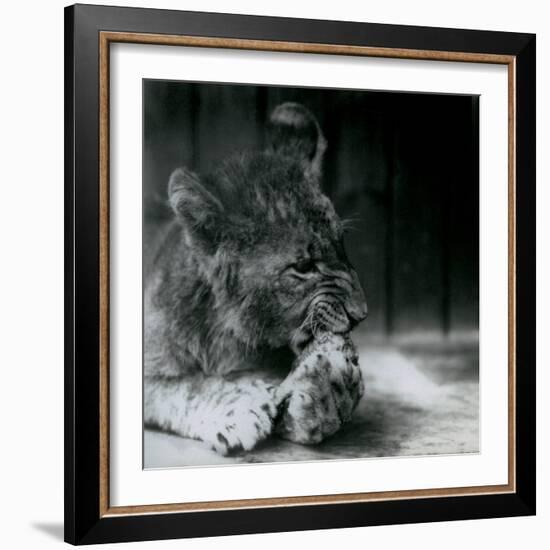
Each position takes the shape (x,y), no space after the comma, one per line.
(321,392)
(242,417)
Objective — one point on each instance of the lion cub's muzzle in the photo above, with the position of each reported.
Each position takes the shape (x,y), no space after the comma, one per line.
(329,315)
(339,314)
(337,310)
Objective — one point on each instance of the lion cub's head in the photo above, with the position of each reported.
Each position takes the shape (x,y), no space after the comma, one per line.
(268,242)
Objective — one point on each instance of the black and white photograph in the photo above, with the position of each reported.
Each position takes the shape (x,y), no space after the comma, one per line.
(310,274)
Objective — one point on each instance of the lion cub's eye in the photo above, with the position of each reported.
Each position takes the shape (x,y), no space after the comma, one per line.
(304,266)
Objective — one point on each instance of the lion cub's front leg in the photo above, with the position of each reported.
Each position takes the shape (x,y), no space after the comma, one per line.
(322,390)
(230,416)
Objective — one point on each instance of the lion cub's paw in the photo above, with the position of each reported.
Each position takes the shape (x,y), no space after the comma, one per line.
(244,417)
(321,392)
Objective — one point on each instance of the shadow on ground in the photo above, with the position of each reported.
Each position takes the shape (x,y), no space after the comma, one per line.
(53,530)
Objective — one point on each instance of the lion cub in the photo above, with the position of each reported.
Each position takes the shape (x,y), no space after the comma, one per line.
(250,300)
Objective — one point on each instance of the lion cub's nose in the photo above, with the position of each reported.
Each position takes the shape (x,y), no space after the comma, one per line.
(357,310)
(356,304)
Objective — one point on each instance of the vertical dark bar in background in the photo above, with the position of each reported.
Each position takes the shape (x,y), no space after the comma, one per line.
(462,169)
(331,129)
(446,207)
(474,174)
(390,233)
(261,115)
(417,290)
(195,98)
(227,123)
(168,139)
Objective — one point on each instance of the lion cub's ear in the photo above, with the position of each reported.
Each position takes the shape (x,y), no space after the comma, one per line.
(199,211)
(294,131)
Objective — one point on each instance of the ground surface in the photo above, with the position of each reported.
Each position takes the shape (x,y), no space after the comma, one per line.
(421,398)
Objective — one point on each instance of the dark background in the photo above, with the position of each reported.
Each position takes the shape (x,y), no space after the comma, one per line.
(403,166)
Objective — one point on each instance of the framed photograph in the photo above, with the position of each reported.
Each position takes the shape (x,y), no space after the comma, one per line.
(300,267)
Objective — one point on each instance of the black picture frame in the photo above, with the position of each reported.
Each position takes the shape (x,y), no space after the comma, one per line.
(84,522)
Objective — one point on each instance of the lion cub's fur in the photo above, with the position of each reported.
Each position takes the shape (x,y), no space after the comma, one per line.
(228,298)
